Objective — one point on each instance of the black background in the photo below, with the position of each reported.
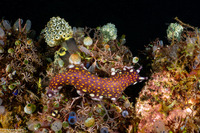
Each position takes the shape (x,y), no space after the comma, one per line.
(141,21)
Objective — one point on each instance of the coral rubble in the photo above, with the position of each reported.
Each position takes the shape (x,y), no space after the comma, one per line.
(169,102)
(34,96)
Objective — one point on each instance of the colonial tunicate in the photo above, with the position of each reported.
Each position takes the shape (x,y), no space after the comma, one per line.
(109,32)
(57,30)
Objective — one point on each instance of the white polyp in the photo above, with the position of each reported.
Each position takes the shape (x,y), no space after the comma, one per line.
(60,87)
(141,78)
(79,92)
(112,69)
(70,66)
(131,70)
(96,99)
(113,73)
(124,68)
(113,99)
(138,70)
(49,95)
(92,95)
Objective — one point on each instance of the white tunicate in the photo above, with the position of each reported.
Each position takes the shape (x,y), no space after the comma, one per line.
(1,101)
(31,125)
(161,43)
(2,110)
(1,50)
(1,42)
(28,25)
(6,24)
(87,41)
(56,126)
(16,24)
(84,49)
(135,60)
(2,33)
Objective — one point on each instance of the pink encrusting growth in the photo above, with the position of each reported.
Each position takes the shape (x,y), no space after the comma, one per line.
(95,86)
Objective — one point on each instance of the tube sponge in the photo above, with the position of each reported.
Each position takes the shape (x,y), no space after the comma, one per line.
(56,31)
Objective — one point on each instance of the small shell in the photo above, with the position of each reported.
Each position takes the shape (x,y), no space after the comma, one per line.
(29,108)
(89,122)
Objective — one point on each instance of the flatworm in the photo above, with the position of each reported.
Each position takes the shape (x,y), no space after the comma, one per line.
(95,86)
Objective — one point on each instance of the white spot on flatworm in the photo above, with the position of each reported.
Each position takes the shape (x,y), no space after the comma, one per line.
(92,95)
(113,73)
(70,66)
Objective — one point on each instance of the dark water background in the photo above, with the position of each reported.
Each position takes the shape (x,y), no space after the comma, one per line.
(140,20)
